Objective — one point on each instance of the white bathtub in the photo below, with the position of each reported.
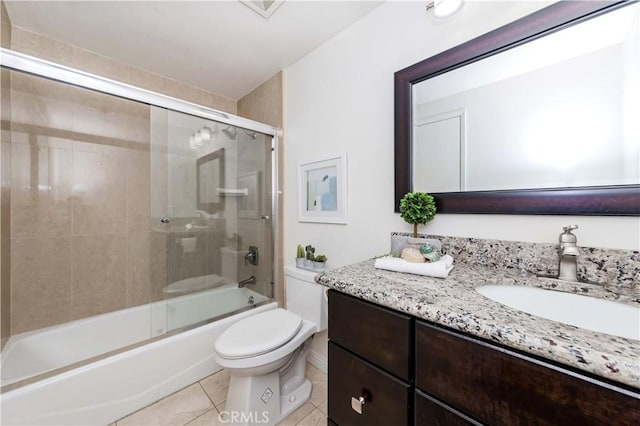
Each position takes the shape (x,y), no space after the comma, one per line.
(103,391)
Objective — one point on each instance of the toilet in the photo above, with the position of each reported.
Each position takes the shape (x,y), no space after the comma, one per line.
(266,354)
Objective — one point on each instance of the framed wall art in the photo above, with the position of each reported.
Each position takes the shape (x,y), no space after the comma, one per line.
(322,191)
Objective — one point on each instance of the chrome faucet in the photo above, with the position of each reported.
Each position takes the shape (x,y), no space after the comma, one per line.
(249,281)
(568,255)
(252,256)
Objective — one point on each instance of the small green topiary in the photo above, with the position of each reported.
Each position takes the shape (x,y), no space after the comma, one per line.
(300,251)
(417,208)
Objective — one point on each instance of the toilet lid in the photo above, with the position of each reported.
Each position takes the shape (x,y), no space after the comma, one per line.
(258,334)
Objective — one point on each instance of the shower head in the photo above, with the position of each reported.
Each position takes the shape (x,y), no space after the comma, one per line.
(230,131)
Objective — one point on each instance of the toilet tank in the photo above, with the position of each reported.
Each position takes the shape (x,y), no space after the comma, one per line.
(305,297)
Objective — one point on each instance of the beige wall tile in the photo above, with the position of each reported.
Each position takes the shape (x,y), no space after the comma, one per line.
(100,189)
(180,90)
(41,282)
(176,409)
(138,189)
(158,248)
(41,185)
(103,116)
(196,95)
(99,274)
(43,47)
(139,268)
(5,104)
(144,79)
(100,65)
(5,27)
(221,103)
(264,103)
(39,105)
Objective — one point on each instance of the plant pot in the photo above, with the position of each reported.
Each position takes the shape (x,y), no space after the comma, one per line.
(308,263)
(319,265)
(300,261)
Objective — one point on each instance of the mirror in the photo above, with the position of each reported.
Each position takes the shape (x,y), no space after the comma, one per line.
(537,117)
(209,178)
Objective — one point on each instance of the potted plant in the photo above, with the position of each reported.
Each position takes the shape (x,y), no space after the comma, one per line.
(417,208)
(300,255)
(308,261)
(320,262)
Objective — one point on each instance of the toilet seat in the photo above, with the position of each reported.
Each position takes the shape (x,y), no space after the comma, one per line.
(258,334)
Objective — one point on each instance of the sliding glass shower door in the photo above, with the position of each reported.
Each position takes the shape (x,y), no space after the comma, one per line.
(121,221)
(211,216)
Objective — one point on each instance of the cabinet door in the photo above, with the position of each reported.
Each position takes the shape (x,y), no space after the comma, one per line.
(387,400)
(377,334)
(502,387)
(431,412)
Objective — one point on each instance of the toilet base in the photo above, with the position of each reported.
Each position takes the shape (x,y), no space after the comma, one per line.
(294,400)
(268,398)
(247,395)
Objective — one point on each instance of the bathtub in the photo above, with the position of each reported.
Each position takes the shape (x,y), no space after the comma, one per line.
(111,387)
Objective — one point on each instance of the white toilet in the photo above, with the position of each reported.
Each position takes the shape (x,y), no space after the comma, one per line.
(266,353)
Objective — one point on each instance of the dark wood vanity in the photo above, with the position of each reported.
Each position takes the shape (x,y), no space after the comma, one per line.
(389,368)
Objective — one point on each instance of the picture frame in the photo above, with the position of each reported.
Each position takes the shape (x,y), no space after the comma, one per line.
(249,204)
(322,191)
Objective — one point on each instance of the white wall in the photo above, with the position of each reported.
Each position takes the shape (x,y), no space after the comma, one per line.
(339,98)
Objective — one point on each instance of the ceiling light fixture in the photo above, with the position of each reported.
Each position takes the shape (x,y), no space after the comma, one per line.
(444,8)
(200,137)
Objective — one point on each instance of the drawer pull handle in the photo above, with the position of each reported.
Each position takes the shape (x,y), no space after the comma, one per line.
(357,403)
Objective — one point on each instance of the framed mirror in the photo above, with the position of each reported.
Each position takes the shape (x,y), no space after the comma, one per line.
(209,179)
(536,117)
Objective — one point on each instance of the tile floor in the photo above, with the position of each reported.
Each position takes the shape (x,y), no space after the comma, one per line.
(200,403)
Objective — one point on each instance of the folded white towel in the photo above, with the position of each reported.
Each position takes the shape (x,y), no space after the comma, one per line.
(439,269)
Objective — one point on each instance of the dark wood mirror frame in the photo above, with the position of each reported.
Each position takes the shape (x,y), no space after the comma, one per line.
(205,205)
(623,200)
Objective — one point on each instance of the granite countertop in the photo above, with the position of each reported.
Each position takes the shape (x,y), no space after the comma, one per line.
(453,302)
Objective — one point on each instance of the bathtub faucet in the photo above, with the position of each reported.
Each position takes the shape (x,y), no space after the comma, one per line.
(249,281)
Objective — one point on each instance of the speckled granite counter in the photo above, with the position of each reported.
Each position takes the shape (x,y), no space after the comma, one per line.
(453,302)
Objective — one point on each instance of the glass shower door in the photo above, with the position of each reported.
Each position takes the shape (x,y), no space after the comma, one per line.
(211,206)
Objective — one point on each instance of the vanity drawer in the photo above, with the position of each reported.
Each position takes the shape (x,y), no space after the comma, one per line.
(431,412)
(387,399)
(499,386)
(377,334)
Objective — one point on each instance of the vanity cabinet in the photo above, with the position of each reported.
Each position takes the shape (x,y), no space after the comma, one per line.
(499,386)
(409,371)
(370,357)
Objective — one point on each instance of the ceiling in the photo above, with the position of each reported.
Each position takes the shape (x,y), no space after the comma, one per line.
(221,46)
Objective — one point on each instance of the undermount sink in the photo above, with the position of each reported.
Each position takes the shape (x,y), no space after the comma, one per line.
(581,311)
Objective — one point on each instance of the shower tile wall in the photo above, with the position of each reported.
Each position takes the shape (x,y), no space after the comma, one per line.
(80,203)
